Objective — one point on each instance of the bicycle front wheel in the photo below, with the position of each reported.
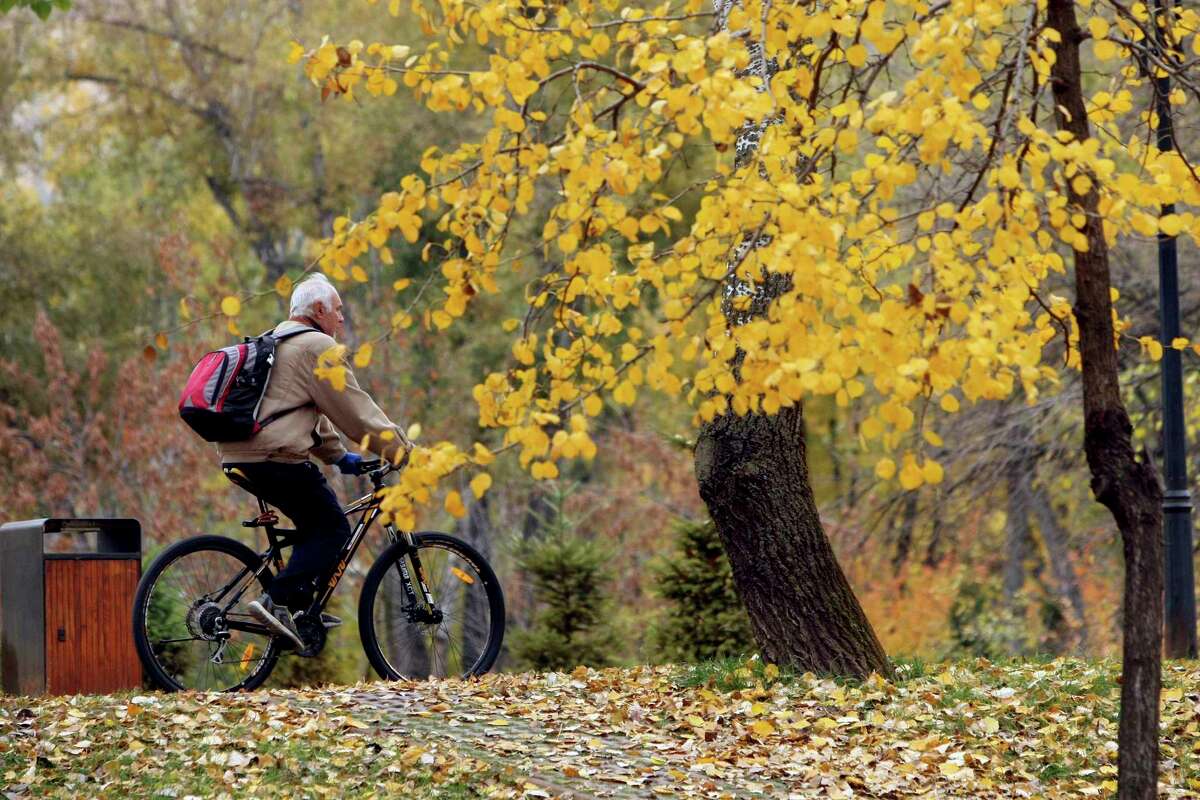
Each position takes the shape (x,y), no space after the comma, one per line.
(190,622)
(458,634)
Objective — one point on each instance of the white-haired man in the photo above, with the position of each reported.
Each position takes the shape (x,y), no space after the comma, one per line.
(275,463)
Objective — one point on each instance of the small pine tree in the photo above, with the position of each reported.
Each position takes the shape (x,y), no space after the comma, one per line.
(705,619)
(570,582)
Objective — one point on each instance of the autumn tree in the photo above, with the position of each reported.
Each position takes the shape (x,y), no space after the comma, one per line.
(921,178)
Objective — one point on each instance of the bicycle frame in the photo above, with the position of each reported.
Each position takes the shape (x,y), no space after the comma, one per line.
(367,507)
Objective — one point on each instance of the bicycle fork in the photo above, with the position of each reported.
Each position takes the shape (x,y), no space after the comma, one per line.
(412,605)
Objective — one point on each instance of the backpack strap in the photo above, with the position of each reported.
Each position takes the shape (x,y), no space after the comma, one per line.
(279,338)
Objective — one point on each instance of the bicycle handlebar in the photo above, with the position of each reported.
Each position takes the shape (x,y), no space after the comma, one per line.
(378,468)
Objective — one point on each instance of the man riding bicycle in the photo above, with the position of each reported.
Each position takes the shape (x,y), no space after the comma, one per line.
(274,463)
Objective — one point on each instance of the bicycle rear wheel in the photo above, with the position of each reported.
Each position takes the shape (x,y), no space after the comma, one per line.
(458,635)
(190,615)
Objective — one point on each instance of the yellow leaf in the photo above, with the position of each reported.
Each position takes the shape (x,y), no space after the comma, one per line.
(231,306)
(949,403)
(932,472)
(296,53)
(991,724)
(762,728)
(482,456)
(593,405)
(363,356)
(911,476)
(283,286)
(413,432)
(480,484)
(1180,343)
(160,341)
(401,284)
(695,721)
(885,468)
(856,55)
(454,505)
(1106,50)
(358,273)
(1171,224)
(1172,695)
(543,470)
(625,394)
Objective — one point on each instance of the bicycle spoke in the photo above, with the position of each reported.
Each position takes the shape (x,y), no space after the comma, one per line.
(185,627)
(452,646)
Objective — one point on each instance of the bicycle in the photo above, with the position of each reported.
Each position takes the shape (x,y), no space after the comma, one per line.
(442,617)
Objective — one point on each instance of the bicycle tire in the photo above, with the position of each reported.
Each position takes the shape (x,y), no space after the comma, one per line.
(426,543)
(151,662)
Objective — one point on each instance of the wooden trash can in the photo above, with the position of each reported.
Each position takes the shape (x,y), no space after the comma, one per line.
(66,605)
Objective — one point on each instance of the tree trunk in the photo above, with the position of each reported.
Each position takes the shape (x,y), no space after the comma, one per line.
(753,476)
(1127,486)
(904,534)
(1018,546)
(1059,554)
(933,550)
(476,529)
(754,479)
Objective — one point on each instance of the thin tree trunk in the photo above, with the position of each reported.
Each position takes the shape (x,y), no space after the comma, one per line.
(904,535)
(1018,546)
(476,529)
(933,550)
(1058,550)
(1127,486)
(754,479)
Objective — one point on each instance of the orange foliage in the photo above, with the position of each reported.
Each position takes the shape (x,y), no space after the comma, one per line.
(93,440)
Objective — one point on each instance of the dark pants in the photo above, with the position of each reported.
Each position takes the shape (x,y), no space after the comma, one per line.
(301,492)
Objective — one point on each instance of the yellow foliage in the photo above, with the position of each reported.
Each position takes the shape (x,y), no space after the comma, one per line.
(891,305)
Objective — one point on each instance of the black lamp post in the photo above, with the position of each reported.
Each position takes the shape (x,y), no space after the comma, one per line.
(1180,611)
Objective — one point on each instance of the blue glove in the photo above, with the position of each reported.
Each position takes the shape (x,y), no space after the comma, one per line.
(349,464)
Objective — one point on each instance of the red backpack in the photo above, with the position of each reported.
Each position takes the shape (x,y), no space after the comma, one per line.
(222,396)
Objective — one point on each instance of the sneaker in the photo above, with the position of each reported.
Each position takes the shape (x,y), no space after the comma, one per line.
(277,618)
(328,620)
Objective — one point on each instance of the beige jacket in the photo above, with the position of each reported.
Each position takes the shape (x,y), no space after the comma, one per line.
(294,436)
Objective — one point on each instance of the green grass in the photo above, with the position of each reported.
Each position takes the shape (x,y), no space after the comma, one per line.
(732,674)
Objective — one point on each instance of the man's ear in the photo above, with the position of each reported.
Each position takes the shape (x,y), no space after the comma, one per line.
(318,307)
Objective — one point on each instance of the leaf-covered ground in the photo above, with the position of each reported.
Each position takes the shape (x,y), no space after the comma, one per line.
(966,730)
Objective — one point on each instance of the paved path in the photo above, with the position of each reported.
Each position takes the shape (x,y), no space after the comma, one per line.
(572,756)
